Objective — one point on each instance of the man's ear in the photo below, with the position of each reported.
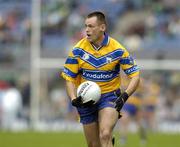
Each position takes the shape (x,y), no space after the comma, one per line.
(103,27)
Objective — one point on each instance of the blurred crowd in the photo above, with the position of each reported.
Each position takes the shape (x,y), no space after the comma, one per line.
(148,28)
(142,25)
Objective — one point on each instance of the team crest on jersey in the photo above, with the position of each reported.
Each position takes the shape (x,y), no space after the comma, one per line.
(85,56)
(108,60)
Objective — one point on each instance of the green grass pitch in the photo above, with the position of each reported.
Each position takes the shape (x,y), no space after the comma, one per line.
(72,139)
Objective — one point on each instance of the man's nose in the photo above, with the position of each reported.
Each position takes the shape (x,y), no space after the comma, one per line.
(87,29)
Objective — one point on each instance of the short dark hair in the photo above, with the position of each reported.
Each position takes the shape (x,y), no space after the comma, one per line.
(100,16)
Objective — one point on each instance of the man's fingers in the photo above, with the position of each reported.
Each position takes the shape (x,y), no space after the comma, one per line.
(88,104)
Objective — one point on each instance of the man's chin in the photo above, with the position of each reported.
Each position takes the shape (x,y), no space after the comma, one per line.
(89,39)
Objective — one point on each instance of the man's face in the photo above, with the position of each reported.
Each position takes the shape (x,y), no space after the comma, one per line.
(94,29)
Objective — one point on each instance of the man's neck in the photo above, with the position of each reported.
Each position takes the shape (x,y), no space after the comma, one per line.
(98,43)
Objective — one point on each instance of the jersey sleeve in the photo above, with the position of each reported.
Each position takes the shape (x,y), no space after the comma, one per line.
(129,65)
(70,70)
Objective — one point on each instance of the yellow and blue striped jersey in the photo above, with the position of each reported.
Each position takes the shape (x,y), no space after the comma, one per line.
(101,66)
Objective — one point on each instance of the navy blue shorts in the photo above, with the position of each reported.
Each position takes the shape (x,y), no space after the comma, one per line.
(90,114)
(130,109)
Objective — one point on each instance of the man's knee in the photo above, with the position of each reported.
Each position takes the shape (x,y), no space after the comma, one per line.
(105,135)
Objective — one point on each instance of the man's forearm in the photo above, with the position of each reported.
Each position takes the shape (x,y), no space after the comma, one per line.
(71,89)
(133,84)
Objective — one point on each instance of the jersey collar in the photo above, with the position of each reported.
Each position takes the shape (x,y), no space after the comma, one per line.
(104,42)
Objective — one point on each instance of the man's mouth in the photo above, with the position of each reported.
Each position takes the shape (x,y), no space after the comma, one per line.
(88,35)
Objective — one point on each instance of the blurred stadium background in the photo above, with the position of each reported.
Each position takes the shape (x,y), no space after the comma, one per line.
(36,35)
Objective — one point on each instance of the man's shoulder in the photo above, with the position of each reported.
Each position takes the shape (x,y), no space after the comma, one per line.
(116,43)
(82,43)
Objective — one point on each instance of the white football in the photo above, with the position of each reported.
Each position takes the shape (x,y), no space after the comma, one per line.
(89,90)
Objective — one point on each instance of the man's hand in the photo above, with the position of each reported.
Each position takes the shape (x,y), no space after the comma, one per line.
(120,101)
(77,102)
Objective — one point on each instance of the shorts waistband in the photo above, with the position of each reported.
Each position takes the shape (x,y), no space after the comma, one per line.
(115,92)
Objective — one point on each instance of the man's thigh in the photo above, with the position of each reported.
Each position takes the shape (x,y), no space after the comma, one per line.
(108,117)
